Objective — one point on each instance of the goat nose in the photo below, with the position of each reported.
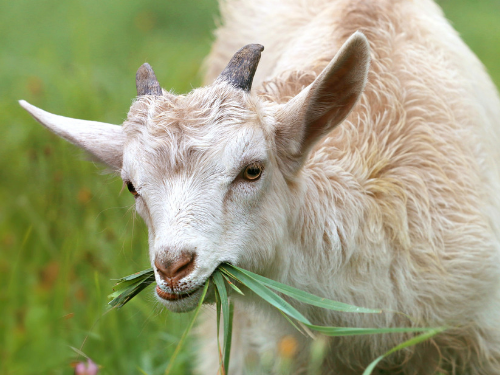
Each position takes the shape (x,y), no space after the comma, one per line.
(173,270)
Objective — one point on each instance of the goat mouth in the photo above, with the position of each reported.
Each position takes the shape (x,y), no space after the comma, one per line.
(172,296)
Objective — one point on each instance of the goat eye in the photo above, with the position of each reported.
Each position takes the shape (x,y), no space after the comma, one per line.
(131,188)
(252,172)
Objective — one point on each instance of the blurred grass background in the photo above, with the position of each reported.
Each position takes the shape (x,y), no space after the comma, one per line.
(66,229)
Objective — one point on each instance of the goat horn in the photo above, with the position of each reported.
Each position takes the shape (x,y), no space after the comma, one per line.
(146,82)
(241,69)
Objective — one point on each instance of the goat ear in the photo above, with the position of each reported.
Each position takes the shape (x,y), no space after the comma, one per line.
(324,104)
(103,141)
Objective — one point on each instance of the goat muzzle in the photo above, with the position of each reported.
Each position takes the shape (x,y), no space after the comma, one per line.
(172,271)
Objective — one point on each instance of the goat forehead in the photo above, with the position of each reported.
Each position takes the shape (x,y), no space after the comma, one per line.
(201,112)
(230,146)
(220,152)
(212,127)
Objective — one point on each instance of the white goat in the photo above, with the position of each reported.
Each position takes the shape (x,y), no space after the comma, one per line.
(394,204)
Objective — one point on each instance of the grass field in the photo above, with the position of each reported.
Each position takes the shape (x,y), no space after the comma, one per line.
(66,229)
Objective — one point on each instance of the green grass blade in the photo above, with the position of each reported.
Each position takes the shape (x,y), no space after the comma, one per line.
(305,297)
(227,344)
(292,323)
(232,285)
(218,307)
(79,352)
(126,283)
(221,289)
(129,286)
(354,331)
(413,341)
(145,273)
(227,271)
(188,329)
(266,294)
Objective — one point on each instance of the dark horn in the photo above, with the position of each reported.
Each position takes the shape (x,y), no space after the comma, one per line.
(241,69)
(146,81)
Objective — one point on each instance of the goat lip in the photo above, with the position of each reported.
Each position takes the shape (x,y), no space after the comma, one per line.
(171,296)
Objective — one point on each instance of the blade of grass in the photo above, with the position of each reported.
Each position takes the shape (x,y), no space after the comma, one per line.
(413,341)
(302,296)
(188,329)
(231,284)
(218,309)
(227,345)
(122,296)
(268,295)
(142,273)
(292,323)
(354,331)
(131,281)
(129,286)
(125,285)
(79,352)
(221,289)
(227,271)
(307,330)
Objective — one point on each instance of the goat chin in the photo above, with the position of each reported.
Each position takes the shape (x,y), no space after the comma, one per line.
(357,160)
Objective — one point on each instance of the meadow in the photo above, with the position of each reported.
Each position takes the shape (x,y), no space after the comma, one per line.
(66,228)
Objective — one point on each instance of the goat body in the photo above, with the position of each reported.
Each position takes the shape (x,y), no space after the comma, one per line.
(394,204)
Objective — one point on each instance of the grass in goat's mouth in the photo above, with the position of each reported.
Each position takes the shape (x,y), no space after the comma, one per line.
(227,275)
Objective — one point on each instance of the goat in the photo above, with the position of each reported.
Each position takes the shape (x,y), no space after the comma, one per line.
(374,184)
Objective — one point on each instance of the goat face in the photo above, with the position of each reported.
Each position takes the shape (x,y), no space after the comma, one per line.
(202,171)
(214,172)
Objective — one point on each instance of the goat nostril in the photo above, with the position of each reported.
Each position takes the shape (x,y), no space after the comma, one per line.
(183,267)
(160,267)
(176,269)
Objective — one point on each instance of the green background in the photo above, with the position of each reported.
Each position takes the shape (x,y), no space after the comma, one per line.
(66,229)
